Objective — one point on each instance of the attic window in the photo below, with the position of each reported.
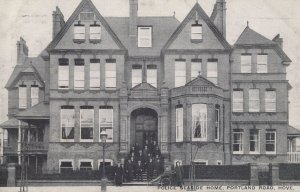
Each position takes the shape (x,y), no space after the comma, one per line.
(144,36)
(196,32)
(95,33)
(79,33)
(86,16)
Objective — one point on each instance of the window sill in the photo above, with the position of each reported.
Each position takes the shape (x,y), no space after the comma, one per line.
(79,41)
(270,153)
(95,41)
(196,41)
(254,153)
(86,140)
(67,140)
(79,90)
(238,153)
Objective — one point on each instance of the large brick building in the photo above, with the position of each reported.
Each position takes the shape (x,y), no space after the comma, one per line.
(180,83)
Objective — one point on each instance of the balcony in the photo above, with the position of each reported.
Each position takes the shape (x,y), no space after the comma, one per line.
(293,157)
(35,147)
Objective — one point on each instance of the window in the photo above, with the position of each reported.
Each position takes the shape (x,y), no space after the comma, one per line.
(254,141)
(200,162)
(217,123)
(106,117)
(262,63)
(67,116)
(86,123)
(180,72)
(86,16)
(79,74)
(22,97)
(79,32)
(95,74)
(212,70)
(110,73)
(196,31)
(254,104)
(219,162)
(144,36)
(195,68)
(270,101)
(66,166)
(34,95)
(238,99)
(237,142)
(179,123)
(108,162)
(85,165)
(152,75)
(136,75)
(95,32)
(270,142)
(199,124)
(63,73)
(246,63)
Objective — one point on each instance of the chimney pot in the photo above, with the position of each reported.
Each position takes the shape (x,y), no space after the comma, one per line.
(22,51)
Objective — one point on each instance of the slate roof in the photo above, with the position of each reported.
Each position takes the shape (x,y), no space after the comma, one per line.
(162,29)
(292,131)
(39,111)
(31,64)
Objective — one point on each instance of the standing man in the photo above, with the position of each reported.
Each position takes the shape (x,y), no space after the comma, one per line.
(150,169)
(139,171)
(178,170)
(129,170)
(119,175)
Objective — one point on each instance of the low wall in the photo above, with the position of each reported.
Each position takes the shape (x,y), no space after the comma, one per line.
(215,182)
(64,183)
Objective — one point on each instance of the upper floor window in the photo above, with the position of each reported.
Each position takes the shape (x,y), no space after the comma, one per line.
(270,142)
(79,31)
(95,74)
(180,72)
(262,63)
(22,96)
(110,73)
(95,32)
(196,31)
(86,16)
(212,70)
(34,95)
(144,36)
(86,123)
(179,123)
(79,74)
(67,122)
(254,103)
(106,117)
(63,73)
(217,123)
(136,75)
(199,125)
(270,101)
(237,145)
(195,68)
(238,101)
(246,63)
(254,141)
(152,75)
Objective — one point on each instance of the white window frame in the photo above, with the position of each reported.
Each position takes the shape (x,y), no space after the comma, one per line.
(270,101)
(63,75)
(136,75)
(106,125)
(111,76)
(240,143)
(61,127)
(217,124)
(262,63)
(212,75)
(65,160)
(79,77)
(200,161)
(275,142)
(257,142)
(196,65)
(22,97)
(246,63)
(152,80)
(106,161)
(254,100)
(80,126)
(178,124)
(79,32)
(236,101)
(95,32)
(85,160)
(197,32)
(95,75)
(34,95)
(180,74)
(177,160)
(144,38)
(203,120)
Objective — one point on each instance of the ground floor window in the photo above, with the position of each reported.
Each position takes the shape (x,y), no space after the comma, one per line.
(108,162)
(237,142)
(66,166)
(254,141)
(85,165)
(270,142)
(200,162)
(199,118)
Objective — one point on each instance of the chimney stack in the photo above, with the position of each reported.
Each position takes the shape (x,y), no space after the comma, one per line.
(277,39)
(22,51)
(58,21)
(133,14)
(219,16)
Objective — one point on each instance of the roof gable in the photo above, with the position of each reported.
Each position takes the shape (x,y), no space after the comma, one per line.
(64,39)
(212,38)
(199,81)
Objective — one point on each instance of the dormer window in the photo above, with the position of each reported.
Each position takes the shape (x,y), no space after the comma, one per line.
(144,36)
(196,32)
(95,32)
(79,33)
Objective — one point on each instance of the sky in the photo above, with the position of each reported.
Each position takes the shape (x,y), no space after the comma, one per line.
(32,19)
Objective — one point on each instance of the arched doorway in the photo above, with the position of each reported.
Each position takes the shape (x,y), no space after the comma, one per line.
(143,126)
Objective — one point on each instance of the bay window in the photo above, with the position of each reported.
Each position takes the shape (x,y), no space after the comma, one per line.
(152,75)
(195,68)
(180,72)
(270,142)
(212,70)
(110,74)
(246,63)
(237,145)
(199,122)
(63,73)
(34,95)
(254,141)
(179,123)
(95,74)
(106,117)
(262,63)
(136,75)
(79,74)
(270,101)
(67,123)
(86,123)
(254,102)
(22,96)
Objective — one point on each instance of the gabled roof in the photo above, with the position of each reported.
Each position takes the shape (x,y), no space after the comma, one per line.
(197,8)
(39,111)
(144,86)
(250,37)
(73,17)
(200,80)
(34,65)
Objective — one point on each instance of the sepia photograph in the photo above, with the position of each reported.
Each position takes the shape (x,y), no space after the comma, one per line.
(149,95)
